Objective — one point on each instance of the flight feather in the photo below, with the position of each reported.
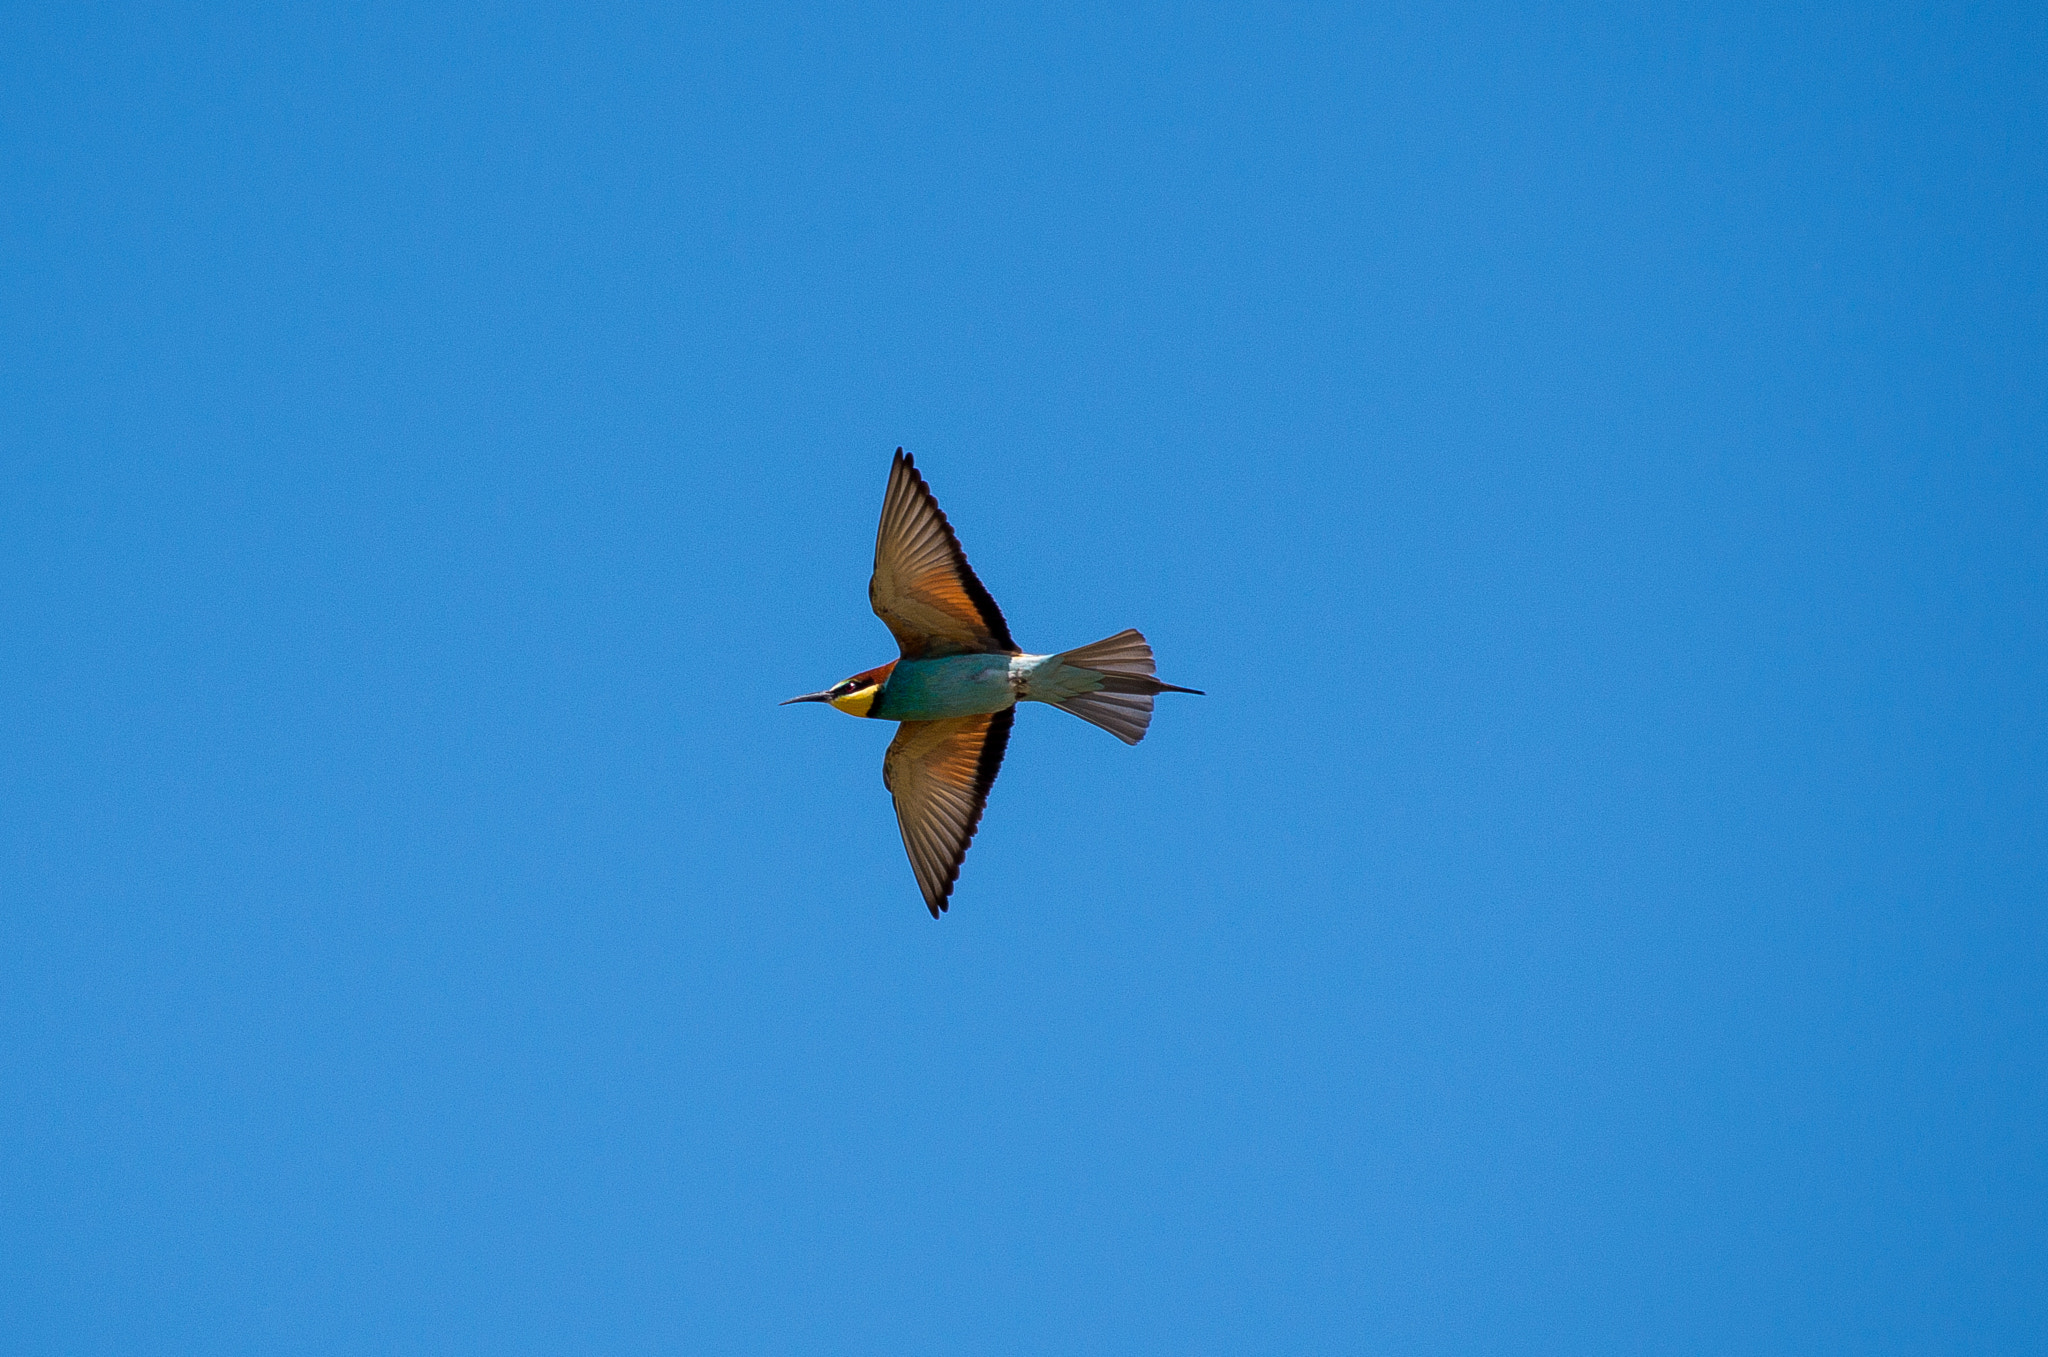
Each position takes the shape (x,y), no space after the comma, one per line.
(939,773)
(923,588)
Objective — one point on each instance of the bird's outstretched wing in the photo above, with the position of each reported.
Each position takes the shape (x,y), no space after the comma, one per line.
(940,772)
(922,586)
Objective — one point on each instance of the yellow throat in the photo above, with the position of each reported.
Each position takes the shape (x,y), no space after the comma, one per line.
(857,702)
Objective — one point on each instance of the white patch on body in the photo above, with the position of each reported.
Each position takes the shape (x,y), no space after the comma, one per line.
(1043,678)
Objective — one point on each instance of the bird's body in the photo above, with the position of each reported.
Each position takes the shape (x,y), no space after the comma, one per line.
(957,685)
(959,677)
(969,685)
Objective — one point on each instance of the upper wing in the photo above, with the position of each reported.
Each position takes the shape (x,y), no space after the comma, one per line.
(922,586)
(940,772)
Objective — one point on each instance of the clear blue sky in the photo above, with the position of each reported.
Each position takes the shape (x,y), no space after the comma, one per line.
(1596,461)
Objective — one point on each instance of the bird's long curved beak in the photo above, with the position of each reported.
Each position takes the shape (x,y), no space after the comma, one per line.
(808,697)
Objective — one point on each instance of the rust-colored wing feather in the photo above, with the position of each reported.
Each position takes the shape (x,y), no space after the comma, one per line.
(940,772)
(922,586)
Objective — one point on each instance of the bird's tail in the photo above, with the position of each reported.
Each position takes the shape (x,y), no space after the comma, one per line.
(1109,684)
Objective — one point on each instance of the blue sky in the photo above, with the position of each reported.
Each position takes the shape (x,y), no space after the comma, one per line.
(1596,461)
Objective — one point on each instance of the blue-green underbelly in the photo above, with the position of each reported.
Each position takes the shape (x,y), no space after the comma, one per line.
(958,685)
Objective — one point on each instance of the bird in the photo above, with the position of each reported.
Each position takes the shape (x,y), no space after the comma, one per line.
(955,685)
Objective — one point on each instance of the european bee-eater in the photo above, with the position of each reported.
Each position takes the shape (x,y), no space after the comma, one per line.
(959,678)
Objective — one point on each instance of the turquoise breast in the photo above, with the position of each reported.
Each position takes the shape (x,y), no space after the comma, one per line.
(958,685)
